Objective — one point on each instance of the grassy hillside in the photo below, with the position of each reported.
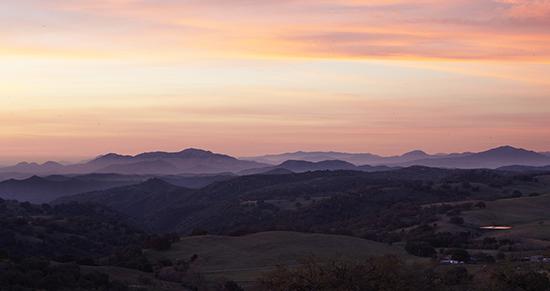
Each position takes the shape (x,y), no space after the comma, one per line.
(512,211)
(245,258)
(529,218)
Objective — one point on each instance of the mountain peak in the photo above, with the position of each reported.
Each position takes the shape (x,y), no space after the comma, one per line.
(194,152)
(509,150)
(415,153)
(26,164)
(111,156)
(34,179)
(52,164)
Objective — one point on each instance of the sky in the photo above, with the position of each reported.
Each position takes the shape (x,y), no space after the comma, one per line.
(83,77)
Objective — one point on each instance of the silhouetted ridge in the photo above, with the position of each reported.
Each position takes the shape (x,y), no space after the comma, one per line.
(509,151)
(156,184)
(110,157)
(184,154)
(416,154)
(34,179)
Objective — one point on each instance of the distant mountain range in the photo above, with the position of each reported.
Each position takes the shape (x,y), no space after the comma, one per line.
(493,158)
(196,161)
(189,161)
(354,158)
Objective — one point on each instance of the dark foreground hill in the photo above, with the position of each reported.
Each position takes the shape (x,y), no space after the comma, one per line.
(245,259)
(64,232)
(72,247)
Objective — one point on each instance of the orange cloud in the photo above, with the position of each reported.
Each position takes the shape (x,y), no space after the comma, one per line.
(421,29)
(272,75)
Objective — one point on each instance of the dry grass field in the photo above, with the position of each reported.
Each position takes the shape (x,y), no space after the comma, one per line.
(244,259)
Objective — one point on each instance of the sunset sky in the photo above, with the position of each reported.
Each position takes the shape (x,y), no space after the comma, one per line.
(83,77)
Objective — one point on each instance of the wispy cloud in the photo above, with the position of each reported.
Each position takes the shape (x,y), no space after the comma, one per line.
(425,29)
(379,75)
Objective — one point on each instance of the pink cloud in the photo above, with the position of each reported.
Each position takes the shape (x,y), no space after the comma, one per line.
(454,29)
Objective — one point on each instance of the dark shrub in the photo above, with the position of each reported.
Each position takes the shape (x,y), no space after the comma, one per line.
(456,220)
(420,249)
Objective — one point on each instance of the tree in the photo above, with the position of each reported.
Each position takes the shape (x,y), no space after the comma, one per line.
(160,243)
(379,273)
(459,255)
(232,286)
(420,249)
(199,232)
(481,205)
(457,220)
(456,276)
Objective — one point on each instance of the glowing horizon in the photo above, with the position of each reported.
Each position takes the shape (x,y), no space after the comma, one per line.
(243,77)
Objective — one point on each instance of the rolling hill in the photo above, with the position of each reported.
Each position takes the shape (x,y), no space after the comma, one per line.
(140,201)
(527,217)
(45,189)
(48,188)
(264,202)
(62,232)
(243,259)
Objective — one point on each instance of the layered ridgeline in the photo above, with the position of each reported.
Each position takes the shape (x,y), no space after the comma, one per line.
(193,168)
(45,189)
(195,161)
(493,158)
